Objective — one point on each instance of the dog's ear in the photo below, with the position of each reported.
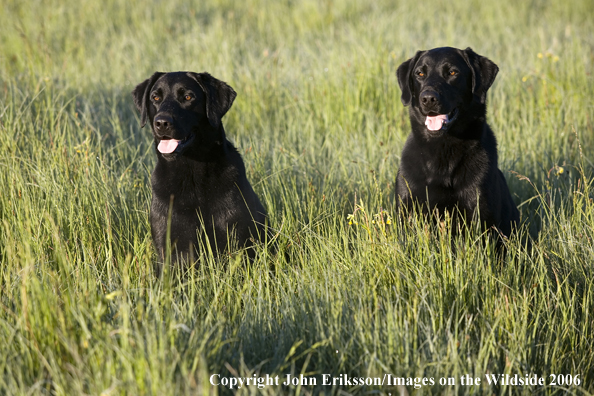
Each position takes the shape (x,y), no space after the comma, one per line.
(219,96)
(404,74)
(484,72)
(141,96)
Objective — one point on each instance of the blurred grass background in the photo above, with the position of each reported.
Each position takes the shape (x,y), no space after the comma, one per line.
(319,122)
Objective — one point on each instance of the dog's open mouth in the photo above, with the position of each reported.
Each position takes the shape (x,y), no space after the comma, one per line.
(168,146)
(440,121)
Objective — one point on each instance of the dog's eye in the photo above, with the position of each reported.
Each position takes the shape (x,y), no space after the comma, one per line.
(188,97)
(156,98)
(453,72)
(420,74)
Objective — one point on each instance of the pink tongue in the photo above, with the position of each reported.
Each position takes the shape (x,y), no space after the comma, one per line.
(168,146)
(435,123)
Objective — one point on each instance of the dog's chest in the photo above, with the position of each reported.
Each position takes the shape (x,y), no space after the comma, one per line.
(452,166)
(190,192)
(439,170)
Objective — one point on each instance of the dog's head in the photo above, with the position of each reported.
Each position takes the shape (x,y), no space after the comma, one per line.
(185,111)
(446,88)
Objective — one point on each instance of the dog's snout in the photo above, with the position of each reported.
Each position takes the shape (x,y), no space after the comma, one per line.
(429,99)
(163,123)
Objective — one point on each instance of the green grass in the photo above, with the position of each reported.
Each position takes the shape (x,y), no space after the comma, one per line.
(320,124)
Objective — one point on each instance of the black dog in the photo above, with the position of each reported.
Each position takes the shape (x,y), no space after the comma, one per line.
(199,181)
(449,161)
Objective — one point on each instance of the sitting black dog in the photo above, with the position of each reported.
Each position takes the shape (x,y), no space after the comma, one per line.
(199,182)
(449,161)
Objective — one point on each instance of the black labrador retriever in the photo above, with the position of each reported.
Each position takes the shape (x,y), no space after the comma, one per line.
(449,161)
(199,183)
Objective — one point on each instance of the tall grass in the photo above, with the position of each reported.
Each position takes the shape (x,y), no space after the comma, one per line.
(320,125)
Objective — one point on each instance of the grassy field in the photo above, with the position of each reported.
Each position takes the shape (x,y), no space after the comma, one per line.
(319,122)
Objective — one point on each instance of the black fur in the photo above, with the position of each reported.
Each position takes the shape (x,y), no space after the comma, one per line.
(454,168)
(203,180)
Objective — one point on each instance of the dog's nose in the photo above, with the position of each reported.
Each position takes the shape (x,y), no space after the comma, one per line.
(429,98)
(163,122)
